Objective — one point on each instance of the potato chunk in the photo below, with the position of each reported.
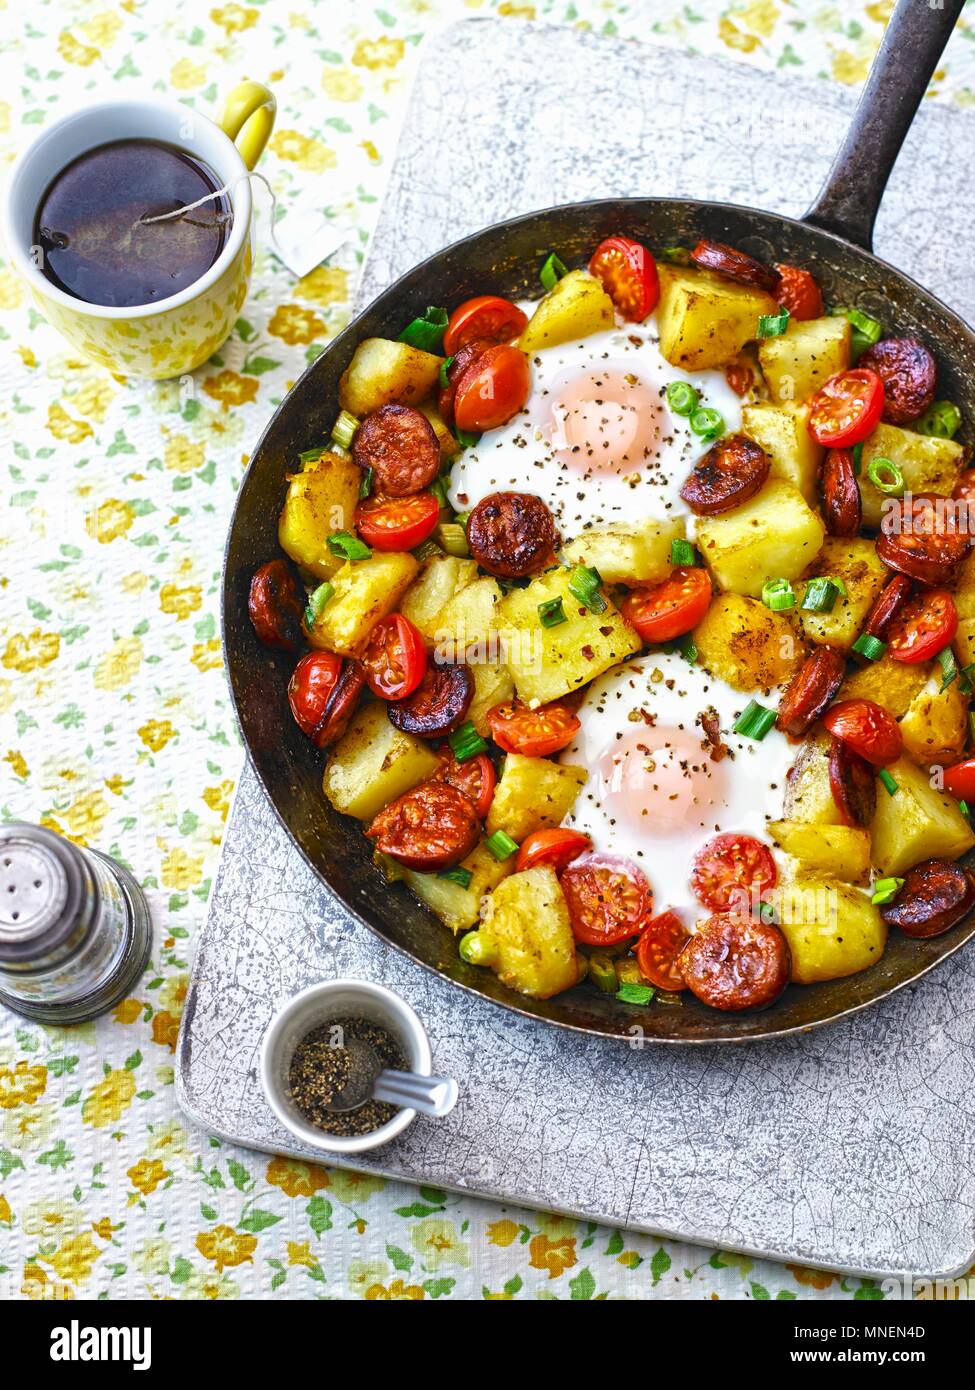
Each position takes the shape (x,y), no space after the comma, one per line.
(964,643)
(808,353)
(935,724)
(492,686)
(863,573)
(783,432)
(526,937)
(928,464)
(373,763)
(775,535)
(533,793)
(365,591)
(917,822)
(889,683)
(382,370)
(441,578)
(459,908)
(468,623)
(832,929)
(628,552)
(575,308)
(808,795)
(705,320)
(321,500)
(743,643)
(831,851)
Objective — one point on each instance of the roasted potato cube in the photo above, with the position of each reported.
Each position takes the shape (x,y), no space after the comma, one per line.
(533,793)
(964,642)
(832,929)
(575,308)
(808,796)
(743,643)
(441,578)
(935,725)
(965,588)
(928,464)
(863,573)
(365,591)
(492,686)
(783,432)
(373,763)
(916,822)
(321,500)
(526,937)
(547,662)
(831,851)
(449,448)
(468,623)
(628,552)
(705,320)
(775,535)
(808,353)
(382,370)
(459,908)
(890,684)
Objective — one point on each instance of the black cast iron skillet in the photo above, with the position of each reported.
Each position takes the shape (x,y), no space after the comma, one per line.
(834,241)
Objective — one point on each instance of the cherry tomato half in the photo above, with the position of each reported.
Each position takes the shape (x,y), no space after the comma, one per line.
(867,728)
(960,780)
(798,292)
(923,627)
(475,777)
(671,608)
(486,316)
(628,273)
(397,523)
(493,389)
(732,871)
(846,408)
(533,732)
(395,658)
(312,682)
(660,943)
(608,898)
(557,848)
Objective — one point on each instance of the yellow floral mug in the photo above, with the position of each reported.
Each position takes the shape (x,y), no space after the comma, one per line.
(179,333)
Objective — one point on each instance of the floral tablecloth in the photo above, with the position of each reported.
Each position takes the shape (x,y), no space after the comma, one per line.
(115,725)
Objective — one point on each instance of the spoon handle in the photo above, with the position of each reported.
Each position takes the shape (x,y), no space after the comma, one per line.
(431,1095)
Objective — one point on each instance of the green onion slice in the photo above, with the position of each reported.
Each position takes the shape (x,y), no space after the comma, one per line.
(964,808)
(584,582)
(890,786)
(427,331)
(857,458)
(778,594)
(343,431)
(634,994)
(444,369)
(866,330)
(471,948)
(426,551)
(870,647)
(682,397)
(465,439)
(317,601)
(348,546)
(942,419)
(767,914)
(885,890)
(707,423)
(754,721)
(886,476)
(773,325)
(458,875)
(310,454)
(681,553)
(551,613)
(820,596)
(552,271)
(501,845)
(466,742)
(949,668)
(365,487)
(453,538)
(676,255)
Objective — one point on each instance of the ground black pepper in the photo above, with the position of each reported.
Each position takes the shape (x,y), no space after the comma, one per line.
(320,1068)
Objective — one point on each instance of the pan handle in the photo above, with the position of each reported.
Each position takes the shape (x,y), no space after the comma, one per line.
(915,39)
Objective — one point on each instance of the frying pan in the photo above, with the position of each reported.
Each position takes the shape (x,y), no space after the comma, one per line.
(834,241)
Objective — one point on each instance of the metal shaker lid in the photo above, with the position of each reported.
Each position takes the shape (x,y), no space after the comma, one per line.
(43,884)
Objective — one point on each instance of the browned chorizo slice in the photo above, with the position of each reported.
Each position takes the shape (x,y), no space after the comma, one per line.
(842,510)
(399,445)
(511,533)
(734,265)
(438,705)
(463,358)
(730,472)
(275,605)
(735,962)
(434,826)
(853,784)
(908,372)
(810,690)
(887,605)
(934,896)
(922,536)
(340,705)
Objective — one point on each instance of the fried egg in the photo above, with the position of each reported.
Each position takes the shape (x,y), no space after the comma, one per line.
(659,784)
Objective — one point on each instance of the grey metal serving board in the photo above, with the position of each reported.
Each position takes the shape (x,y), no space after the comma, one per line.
(851,1147)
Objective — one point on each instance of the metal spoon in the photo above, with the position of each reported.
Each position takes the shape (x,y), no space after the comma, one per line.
(369,1080)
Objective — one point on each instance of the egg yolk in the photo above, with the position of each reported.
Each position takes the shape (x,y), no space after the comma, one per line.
(605,420)
(661,781)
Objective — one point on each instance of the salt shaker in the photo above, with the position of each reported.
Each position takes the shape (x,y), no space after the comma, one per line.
(75,932)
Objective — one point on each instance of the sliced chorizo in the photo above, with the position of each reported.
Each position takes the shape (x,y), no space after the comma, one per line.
(920,537)
(934,896)
(842,510)
(399,444)
(463,358)
(810,690)
(275,605)
(734,265)
(432,827)
(853,784)
(340,705)
(511,533)
(735,962)
(887,605)
(731,472)
(438,705)
(909,373)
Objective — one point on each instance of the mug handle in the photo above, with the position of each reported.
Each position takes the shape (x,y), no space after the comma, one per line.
(251,107)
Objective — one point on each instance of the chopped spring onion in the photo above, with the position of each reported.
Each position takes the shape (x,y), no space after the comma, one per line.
(465,439)
(890,786)
(773,325)
(471,948)
(501,845)
(707,423)
(584,582)
(949,668)
(687,650)
(439,489)
(634,994)
(767,914)
(453,539)
(857,458)
(885,890)
(681,553)
(754,721)
(964,808)
(552,271)
(466,742)
(866,331)
(602,972)
(458,875)
(317,601)
(820,596)
(778,594)
(885,476)
(340,452)
(941,419)
(348,547)
(365,487)
(427,331)
(870,647)
(426,551)
(445,366)
(310,454)
(676,255)
(551,613)
(682,397)
(344,429)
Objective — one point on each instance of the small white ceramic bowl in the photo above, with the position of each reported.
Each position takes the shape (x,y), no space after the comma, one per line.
(319,1004)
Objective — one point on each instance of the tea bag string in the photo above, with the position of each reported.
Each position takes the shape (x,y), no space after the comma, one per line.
(227,189)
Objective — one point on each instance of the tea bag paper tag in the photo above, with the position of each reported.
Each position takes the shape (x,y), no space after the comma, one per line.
(305,238)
